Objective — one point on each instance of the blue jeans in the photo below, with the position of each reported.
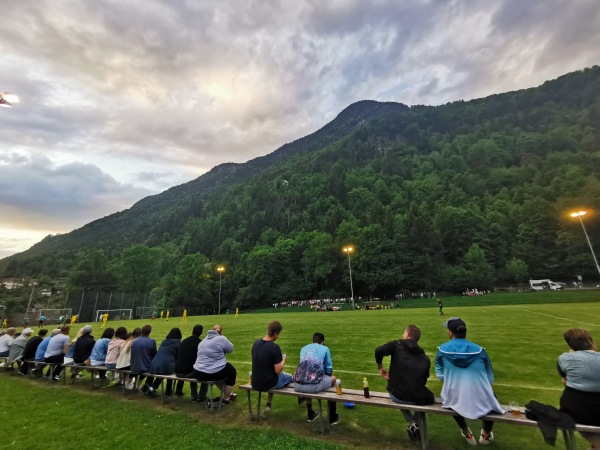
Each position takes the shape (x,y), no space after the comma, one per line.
(410,417)
(282,380)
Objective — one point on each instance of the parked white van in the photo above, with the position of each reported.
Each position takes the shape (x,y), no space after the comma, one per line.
(540,285)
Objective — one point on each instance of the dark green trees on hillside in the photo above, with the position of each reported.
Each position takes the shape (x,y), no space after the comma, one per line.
(465,195)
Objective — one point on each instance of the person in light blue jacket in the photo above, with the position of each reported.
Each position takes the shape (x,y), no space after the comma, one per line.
(466,371)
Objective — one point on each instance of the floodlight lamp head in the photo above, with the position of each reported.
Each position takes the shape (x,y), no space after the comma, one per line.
(578,214)
(7,99)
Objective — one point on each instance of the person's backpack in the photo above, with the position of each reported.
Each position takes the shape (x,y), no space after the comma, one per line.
(310,370)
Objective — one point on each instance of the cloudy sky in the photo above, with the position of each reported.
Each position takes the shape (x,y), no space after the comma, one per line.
(120,99)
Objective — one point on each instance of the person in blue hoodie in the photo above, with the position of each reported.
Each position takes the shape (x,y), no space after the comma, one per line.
(466,371)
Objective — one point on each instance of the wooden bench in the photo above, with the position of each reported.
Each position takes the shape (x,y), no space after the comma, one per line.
(382,399)
(174,378)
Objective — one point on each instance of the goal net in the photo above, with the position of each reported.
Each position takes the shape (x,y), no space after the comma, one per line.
(55,316)
(114,314)
(145,312)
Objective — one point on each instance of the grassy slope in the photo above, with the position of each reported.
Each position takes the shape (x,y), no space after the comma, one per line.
(523,341)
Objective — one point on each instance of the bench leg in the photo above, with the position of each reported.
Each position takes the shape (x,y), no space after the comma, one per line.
(258,407)
(250,405)
(569,437)
(321,417)
(422,422)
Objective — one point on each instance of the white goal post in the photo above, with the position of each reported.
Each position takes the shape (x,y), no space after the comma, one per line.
(54,315)
(145,312)
(114,314)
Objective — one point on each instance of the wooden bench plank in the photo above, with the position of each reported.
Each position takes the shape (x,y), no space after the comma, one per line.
(382,400)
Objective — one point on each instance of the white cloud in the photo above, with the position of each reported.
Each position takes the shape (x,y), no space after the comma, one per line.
(142,95)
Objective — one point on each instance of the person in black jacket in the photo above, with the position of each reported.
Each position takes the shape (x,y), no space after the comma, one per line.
(83,348)
(408,374)
(184,366)
(30,349)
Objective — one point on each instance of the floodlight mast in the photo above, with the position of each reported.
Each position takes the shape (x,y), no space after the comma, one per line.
(579,214)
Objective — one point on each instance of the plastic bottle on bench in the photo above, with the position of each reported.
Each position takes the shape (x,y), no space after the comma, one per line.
(366,387)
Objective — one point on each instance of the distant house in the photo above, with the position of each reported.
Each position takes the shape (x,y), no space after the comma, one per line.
(12,283)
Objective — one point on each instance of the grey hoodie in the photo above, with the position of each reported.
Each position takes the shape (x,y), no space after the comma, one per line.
(211,353)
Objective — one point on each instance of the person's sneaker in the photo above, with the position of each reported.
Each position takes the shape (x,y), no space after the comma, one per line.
(232,397)
(144,388)
(312,416)
(335,420)
(265,414)
(199,399)
(151,393)
(414,433)
(168,394)
(469,437)
(486,437)
(179,394)
(56,377)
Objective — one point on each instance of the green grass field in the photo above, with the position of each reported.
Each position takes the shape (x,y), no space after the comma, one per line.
(522,339)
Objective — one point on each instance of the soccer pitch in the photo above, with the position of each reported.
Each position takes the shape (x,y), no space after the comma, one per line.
(522,340)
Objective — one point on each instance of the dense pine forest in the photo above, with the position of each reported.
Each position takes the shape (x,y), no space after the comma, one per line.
(465,195)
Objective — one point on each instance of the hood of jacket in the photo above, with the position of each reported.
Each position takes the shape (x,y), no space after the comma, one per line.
(411,346)
(461,352)
(212,334)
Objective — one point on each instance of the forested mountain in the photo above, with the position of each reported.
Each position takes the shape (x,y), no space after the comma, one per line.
(464,195)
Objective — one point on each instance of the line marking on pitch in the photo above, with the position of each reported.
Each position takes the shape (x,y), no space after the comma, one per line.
(556,317)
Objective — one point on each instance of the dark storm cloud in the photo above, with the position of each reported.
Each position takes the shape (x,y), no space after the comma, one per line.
(38,194)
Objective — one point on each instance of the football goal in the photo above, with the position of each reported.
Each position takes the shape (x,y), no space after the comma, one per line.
(55,316)
(114,314)
(146,312)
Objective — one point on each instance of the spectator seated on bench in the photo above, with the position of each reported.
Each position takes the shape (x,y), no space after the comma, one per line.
(143,350)
(114,350)
(164,362)
(184,366)
(211,363)
(55,353)
(268,364)
(6,340)
(30,350)
(82,349)
(124,360)
(98,355)
(18,347)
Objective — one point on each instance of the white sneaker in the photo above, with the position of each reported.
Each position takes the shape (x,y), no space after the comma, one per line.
(265,414)
(469,438)
(486,439)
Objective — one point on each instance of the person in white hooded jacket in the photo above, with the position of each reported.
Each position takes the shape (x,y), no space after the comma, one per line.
(211,362)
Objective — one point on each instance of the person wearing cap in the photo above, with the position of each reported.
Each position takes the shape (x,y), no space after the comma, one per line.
(466,371)
(18,347)
(6,341)
(55,353)
(408,374)
(30,349)
(83,348)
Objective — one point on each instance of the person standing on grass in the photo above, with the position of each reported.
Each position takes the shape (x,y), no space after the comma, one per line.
(441,307)
(466,371)
(315,374)
(30,349)
(55,353)
(580,372)
(268,364)
(143,351)
(184,366)
(184,316)
(407,376)
(104,320)
(211,362)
